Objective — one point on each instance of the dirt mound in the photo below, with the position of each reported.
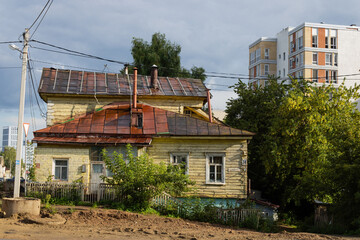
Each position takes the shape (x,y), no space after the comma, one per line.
(88,223)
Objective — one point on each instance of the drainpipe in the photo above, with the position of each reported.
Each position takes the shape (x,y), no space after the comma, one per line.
(135,88)
(209,104)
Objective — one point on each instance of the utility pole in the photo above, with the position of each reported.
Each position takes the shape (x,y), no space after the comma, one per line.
(21,115)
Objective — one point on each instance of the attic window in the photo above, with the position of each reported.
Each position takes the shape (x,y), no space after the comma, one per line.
(187,113)
(137,120)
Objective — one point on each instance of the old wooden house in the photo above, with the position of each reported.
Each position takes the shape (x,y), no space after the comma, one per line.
(163,116)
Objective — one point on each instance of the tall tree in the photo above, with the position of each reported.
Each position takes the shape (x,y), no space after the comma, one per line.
(9,158)
(307,145)
(253,110)
(164,54)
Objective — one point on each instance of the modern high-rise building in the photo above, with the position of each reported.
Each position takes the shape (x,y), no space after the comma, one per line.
(318,52)
(9,137)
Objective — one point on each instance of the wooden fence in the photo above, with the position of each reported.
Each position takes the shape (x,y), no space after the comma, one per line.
(92,192)
(106,192)
(235,216)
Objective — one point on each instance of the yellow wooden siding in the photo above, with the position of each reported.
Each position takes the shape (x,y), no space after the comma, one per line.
(76,156)
(235,172)
(60,109)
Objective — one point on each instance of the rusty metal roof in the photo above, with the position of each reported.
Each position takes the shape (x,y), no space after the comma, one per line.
(113,122)
(59,81)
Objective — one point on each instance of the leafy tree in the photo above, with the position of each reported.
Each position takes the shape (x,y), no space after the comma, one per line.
(164,54)
(140,180)
(254,110)
(9,158)
(307,145)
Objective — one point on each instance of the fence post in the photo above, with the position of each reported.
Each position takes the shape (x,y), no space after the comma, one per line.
(82,193)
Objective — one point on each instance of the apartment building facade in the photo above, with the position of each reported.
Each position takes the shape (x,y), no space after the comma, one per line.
(321,53)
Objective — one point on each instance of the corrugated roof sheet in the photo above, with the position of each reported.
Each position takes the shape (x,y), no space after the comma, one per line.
(60,81)
(114,122)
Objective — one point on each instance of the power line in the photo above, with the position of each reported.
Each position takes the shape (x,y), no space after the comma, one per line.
(70,66)
(7,42)
(80,53)
(55,51)
(39,15)
(9,67)
(42,17)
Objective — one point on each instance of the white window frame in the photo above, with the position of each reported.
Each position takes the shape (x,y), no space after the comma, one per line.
(335,59)
(328,59)
(334,77)
(315,62)
(266,72)
(54,169)
(175,154)
(208,164)
(315,79)
(314,39)
(257,54)
(327,76)
(266,53)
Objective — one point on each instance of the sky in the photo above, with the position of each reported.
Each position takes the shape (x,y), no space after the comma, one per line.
(213,34)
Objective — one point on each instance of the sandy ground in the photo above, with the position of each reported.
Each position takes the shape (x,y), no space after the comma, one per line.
(88,223)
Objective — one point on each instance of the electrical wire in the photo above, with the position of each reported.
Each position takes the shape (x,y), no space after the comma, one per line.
(9,67)
(42,17)
(39,14)
(69,66)
(80,53)
(7,42)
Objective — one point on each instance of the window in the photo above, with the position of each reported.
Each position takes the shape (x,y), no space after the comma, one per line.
(279,73)
(297,60)
(333,42)
(258,70)
(181,160)
(258,54)
(95,154)
(284,56)
(284,72)
(335,59)
(266,53)
(300,42)
(215,168)
(252,58)
(315,58)
(301,75)
(266,69)
(301,59)
(279,56)
(327,79)
(326,38)
(314,37)
(61,170)
(187,112)
(315,75)
(334,76)
(328,59)
(333,39)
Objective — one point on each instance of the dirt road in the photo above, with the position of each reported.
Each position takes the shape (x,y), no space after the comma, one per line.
(87,223)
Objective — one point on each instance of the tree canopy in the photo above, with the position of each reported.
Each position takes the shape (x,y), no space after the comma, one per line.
(307,145)
(164,54)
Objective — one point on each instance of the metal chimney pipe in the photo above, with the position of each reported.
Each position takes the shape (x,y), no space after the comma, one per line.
(209,104)
(135,88)
(126,69)
(154,76)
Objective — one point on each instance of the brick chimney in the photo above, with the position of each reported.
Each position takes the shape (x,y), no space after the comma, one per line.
(154,77)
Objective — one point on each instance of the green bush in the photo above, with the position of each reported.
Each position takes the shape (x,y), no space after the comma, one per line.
(140,180)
